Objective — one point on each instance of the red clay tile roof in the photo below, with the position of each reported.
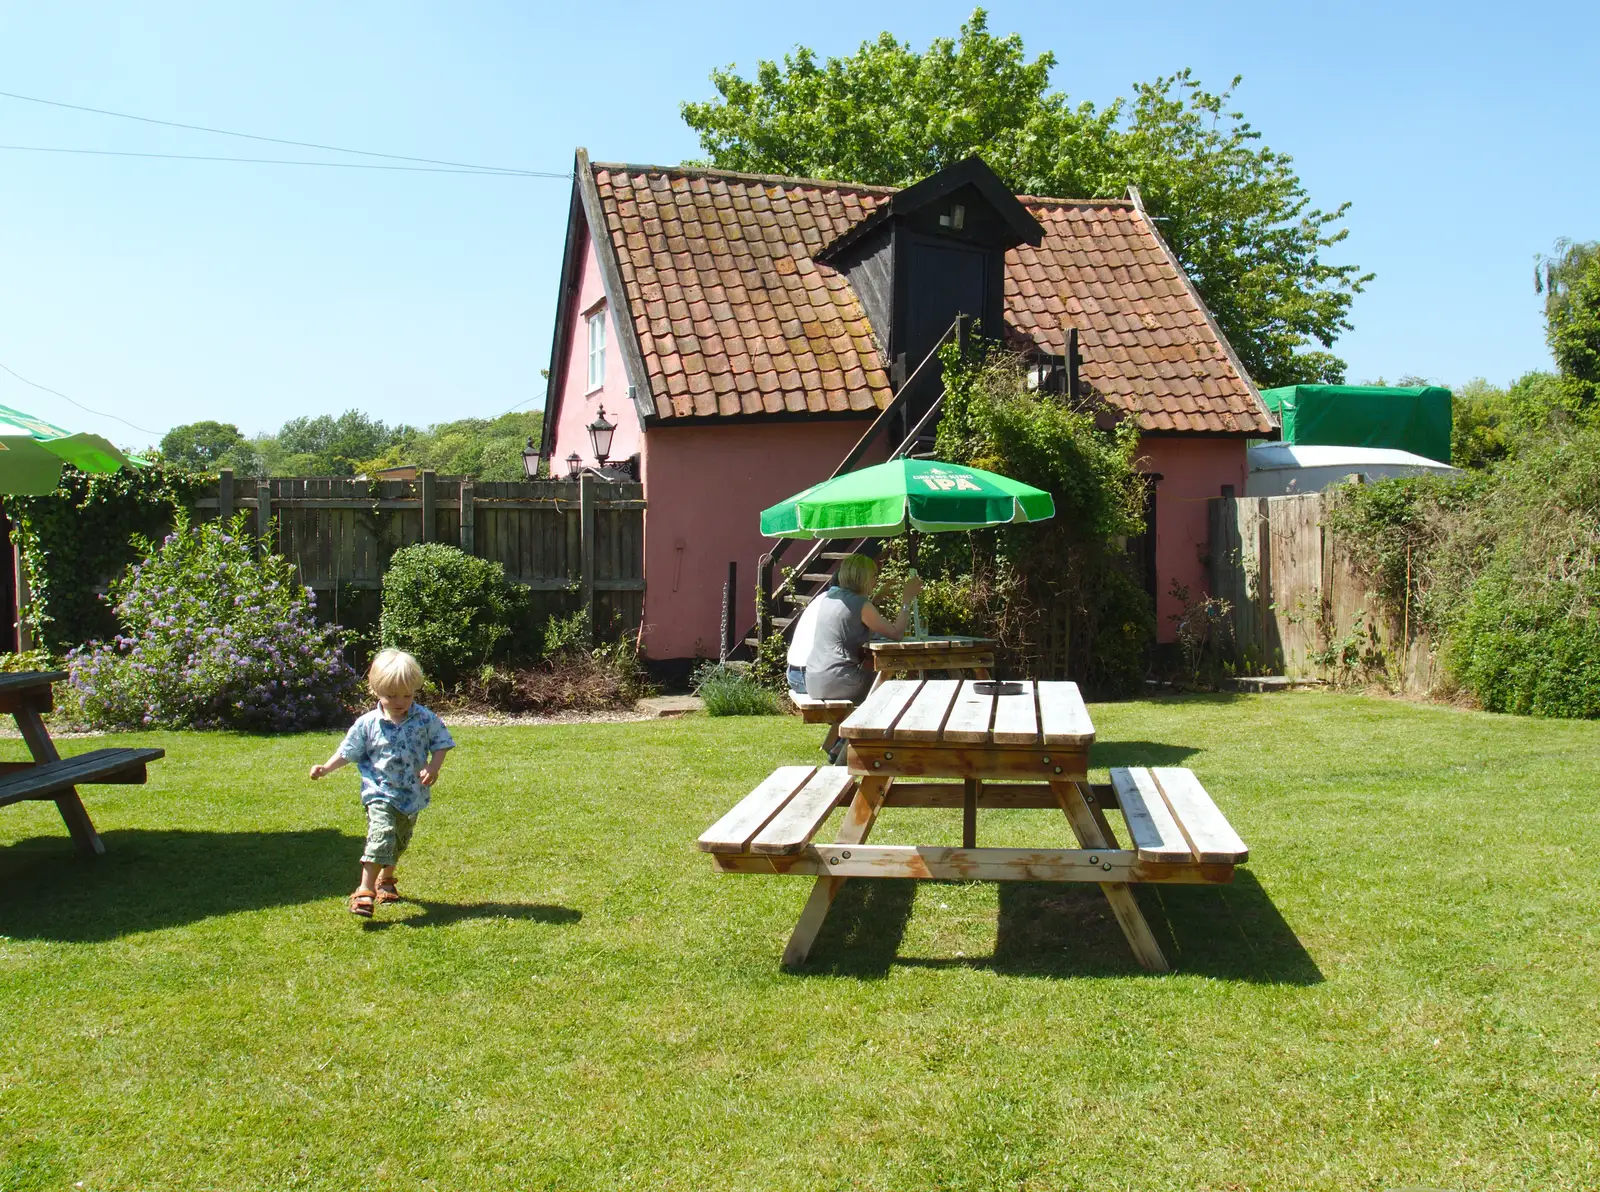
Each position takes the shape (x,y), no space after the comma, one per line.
(733,317)
(1146,343)
(732,314)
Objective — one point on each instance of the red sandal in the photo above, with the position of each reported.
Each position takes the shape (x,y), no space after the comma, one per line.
(361,903)
(387,891)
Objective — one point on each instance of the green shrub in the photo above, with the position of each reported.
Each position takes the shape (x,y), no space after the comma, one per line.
(454,611)
(571,634)
(1528,656)
(728,692)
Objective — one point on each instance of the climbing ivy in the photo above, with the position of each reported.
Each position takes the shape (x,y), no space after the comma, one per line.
(78,539)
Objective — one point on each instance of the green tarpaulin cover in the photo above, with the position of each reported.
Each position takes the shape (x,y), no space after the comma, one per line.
(1407,418)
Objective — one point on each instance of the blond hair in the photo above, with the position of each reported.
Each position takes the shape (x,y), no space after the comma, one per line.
(858,573)
(394,672)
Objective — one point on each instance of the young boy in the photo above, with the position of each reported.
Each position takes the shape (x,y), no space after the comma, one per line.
(398,747)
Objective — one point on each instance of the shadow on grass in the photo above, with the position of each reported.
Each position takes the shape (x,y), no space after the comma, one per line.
(1231,932)
(1138,753)
(148,880)
(443,914)
(862,932)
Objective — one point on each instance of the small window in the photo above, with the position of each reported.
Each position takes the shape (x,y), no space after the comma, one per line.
(597,349)
(955,218)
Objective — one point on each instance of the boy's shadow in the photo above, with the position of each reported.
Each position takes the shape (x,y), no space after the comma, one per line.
(443,914)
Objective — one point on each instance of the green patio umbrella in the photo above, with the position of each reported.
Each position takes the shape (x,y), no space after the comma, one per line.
(32,452)
(919,494)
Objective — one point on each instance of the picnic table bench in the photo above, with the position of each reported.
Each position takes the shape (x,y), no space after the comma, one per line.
(1012,745)
(27,696)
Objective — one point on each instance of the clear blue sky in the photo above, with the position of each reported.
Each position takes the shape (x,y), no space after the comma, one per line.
(167,291)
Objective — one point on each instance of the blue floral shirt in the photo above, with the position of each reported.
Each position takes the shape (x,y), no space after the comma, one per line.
(389,755)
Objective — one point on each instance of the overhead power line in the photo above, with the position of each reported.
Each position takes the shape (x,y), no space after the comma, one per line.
(79,404)
(250,136)
(279,161)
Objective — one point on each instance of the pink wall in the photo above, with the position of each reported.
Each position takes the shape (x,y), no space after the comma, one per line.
(578,406)
(1192,471)
(705,487)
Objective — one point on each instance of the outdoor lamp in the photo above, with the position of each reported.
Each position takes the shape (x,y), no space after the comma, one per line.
(530,460)
(574,465)
(600,432)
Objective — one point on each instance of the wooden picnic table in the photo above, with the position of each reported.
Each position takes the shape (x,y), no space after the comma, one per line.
(959,657)
(27,696)
(1016,745)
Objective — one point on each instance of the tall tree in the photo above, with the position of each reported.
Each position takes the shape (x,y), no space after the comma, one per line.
(1570,281)
(1233,210)
(201,446)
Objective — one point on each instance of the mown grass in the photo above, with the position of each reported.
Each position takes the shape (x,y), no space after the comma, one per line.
(1400,989)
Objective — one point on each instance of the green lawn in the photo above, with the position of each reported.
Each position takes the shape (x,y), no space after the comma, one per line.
(1401,988)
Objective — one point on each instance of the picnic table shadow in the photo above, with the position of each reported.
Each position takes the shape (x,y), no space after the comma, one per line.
(149,880)
(1065,929)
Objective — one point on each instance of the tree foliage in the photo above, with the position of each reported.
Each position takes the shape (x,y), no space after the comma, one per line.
(202,446)
(1570,281)
(1233,210)
(356,443)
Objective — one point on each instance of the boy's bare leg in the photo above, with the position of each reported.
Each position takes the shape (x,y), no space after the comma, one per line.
(369,877)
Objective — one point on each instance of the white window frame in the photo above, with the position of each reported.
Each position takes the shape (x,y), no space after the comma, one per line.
(596,322)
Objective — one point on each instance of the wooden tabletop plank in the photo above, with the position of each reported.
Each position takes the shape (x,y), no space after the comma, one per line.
(792,828)
(1207,828)
(916,645)
(970,715)
(26,680)
(924,719)
(733,832)
(1016,714)
(877,714)
(1155,833)
(1063,719)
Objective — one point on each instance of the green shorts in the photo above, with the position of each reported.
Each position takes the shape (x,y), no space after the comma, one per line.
(388,832)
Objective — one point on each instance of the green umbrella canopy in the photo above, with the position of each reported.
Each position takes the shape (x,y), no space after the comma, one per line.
(923,493)
(33,450)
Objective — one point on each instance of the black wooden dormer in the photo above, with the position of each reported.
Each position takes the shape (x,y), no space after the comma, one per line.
(933,251)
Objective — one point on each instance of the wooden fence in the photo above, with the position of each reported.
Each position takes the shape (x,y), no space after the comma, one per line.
(1297,598)
(578,542)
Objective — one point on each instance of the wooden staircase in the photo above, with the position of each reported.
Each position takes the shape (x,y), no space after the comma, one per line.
(780,603)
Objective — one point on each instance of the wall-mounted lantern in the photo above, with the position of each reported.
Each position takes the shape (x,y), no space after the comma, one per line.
(600,432)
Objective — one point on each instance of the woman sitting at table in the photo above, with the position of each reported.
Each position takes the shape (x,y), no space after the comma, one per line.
(845,621)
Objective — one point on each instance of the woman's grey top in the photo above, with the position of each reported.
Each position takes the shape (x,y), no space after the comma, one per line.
(834,669)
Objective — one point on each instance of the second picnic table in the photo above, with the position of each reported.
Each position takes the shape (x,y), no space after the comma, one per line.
(960,657)
(27,696)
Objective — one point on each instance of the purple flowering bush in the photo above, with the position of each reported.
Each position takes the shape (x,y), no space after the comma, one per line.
(213,636)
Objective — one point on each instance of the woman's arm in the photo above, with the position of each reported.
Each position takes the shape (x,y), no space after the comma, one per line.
(896,629)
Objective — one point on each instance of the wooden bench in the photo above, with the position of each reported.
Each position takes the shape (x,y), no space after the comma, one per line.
(22,781)
(780,816)
(822,711)
(1172,820)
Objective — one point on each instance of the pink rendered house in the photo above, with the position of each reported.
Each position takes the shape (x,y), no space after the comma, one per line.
(742,332)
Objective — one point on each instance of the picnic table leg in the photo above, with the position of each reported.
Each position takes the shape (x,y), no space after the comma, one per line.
(858,822)
(969,812)
(1099,815)
(1081,815)
(71,807)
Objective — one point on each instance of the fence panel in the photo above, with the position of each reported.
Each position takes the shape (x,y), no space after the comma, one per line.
(340,533)
(1294,592)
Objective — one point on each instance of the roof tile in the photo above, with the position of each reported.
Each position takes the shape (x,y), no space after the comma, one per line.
(722,287)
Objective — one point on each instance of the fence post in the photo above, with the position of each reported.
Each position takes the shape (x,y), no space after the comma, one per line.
(468,515)
(1264,585)
(224,495)
(586,544)
(428,511)
(263,508)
